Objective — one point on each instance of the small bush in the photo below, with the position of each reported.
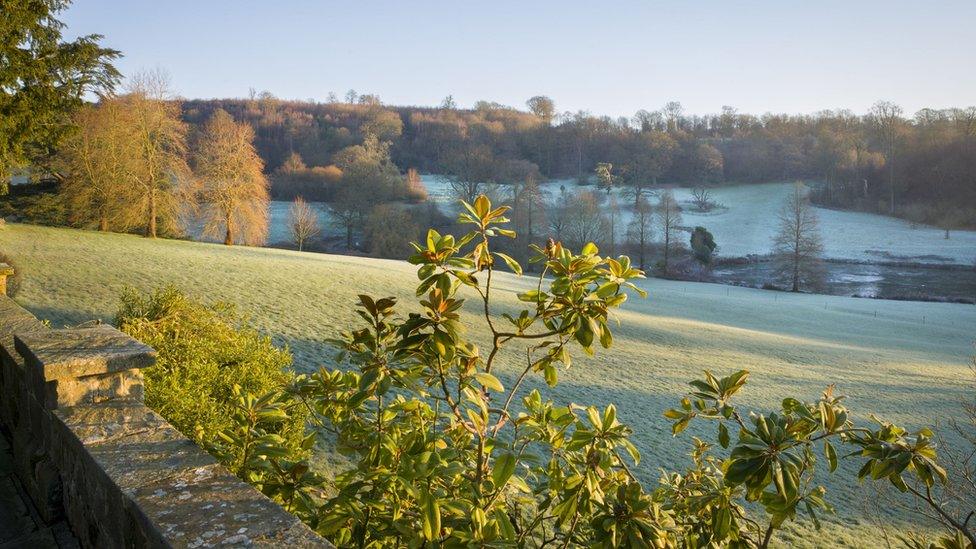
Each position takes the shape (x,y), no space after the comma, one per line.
(416,190)
(42,208)
(318,183)
(204,352)
(389,231)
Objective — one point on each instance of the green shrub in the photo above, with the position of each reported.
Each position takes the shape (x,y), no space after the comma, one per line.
(205,351)
(442,452)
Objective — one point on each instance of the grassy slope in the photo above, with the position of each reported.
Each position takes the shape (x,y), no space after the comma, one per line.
(893,364)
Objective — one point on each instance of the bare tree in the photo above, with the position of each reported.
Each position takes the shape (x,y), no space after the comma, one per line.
(582,127)
(160,185)
(293,164)
(97,159)
(641,229)
(672,114)
(304,222)
(369,178)
(235,191)
(669,220)
(798,245)
(558,214)
(650,155)
(702,198)
(350,210)
(613,213)
(887,120)
(543,107)
(648,121)
(531,211)
(586,221)
(470,171)
(416,190)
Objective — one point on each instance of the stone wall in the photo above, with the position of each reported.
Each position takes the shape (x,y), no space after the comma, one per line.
(87,450)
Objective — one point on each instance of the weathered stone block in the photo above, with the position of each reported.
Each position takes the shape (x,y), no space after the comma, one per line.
(80,427)
(13,319)
(297,535)
(48,490)
(82,366)
(62,393)
(208,506)
(12,389)
(78,352)
(174,494)
(123,476)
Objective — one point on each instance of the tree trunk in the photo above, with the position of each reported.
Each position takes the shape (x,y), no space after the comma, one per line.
(613,244)
(796,272)
(103,223)
(891,189)
(229,234)
(151,228)
(642,245)
(348,237)
(667,247)
(579,161)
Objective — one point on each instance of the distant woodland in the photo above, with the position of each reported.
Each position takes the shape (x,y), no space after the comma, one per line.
(920,166)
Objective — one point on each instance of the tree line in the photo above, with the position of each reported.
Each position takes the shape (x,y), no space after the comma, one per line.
(134,165)
(917,166)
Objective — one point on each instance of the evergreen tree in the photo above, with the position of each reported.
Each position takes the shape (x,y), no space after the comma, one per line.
(43,80)
(703,246)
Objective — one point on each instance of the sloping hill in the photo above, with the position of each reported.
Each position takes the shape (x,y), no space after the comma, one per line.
(904,361)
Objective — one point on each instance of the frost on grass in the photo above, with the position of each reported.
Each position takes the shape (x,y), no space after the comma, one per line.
(896,364)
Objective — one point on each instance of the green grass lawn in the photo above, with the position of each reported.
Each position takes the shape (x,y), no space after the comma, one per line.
(904,361)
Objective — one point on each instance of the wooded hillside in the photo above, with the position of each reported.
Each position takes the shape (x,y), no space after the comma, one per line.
(921,166)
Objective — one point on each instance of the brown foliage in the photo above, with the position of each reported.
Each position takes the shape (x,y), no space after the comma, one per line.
(125,169)
(234,194)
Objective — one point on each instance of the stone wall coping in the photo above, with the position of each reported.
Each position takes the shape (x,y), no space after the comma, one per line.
(79,352)
(14,320)
(89,451)
(178,493)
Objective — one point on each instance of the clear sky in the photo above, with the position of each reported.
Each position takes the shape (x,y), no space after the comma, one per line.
(607,57)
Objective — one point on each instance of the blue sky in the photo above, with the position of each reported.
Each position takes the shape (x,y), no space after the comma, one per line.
(605,57)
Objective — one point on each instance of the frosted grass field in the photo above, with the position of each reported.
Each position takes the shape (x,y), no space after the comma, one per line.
(906,363)
(747,223)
